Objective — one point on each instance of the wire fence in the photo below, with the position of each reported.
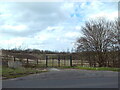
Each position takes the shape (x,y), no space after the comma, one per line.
(46,61)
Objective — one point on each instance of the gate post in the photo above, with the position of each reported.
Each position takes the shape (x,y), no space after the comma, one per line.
(58,61)
(46,61)
(64,61)
(81,61)
(37,61)
(14,59)
(27,61)
(52,61)
(71,60)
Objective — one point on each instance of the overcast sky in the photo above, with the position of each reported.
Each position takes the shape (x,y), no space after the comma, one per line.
(48,25)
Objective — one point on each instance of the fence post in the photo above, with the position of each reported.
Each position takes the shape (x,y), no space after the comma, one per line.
(27,61)
(71,60)
(52,61)
(58,61)
(81,61)
(37,61)
(14,59)
(46,61)
(64,61)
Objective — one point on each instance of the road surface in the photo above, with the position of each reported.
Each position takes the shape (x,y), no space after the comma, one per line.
(65,78)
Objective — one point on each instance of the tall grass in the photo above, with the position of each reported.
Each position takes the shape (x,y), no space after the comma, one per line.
(18,72)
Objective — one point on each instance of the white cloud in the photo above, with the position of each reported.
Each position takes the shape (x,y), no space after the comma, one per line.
(78,28)
(72,34)
(52,28)
(95,9)
(36,16)
(45,25)
(12,43)
(14,28)
(107,15)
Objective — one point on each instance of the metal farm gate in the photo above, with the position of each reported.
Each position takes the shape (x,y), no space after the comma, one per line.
(60,60)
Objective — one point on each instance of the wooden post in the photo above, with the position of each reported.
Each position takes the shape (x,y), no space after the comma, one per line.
(14,59)
(46,61)
(81,62)
(70,60)
(64,61)
(37,61)
(58,61)
(20,59)
(52,61)
(27,61)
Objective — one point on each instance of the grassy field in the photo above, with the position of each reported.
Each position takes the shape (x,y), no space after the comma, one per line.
(19,72)
(93,68)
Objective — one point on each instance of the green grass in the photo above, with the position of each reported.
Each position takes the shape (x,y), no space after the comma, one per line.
(94,68)
(18,72)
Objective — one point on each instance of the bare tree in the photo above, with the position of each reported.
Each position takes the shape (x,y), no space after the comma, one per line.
(97,38)
(115,44)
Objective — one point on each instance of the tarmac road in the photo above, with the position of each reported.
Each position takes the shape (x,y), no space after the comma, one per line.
(65,78)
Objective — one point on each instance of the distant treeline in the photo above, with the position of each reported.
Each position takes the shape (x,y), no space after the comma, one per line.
(33,51)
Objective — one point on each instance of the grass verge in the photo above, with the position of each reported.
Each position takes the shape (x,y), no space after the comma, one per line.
(93,68)
(18,72)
